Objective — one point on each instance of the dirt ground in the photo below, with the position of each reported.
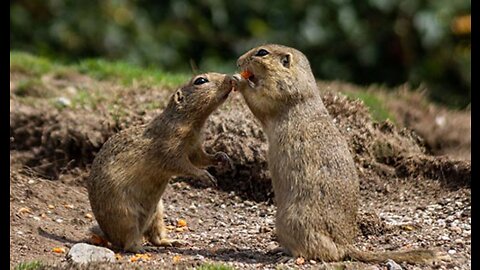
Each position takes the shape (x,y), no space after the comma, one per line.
(410,198)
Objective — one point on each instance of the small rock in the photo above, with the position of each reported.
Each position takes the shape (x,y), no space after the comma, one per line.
(31,182)
(441,223)
(59,220)
(456,230)
(82,253)
(452,251)
(392,265)
(458,241)
(444,238)
(63,101)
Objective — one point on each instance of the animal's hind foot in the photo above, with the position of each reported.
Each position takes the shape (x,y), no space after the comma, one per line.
(167,242)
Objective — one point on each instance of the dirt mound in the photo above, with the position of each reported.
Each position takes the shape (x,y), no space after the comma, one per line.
(233,130)
(67,139)
(59,139)
(381,150)
(446,132)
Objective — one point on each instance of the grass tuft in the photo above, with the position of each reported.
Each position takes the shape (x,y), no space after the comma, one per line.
(29,64)
(125,73)
(33,265)
(128,74)
(376,107)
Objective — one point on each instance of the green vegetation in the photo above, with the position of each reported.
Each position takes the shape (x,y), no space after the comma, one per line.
(29,64)
(214,266)
(33,265)
(375,105)
(364,42)
(128,73)
(125,73)
(33,87)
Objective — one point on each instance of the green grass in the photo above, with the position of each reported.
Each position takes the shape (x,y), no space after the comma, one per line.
(128,74)
(28,265)
(214,266)
(375,105)
(122,72)
(30,64)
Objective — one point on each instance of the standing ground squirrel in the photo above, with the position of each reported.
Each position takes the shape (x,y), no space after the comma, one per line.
(313,174)
(132,169)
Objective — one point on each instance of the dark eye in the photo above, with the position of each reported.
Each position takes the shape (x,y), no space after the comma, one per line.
(200,80)
(262,52)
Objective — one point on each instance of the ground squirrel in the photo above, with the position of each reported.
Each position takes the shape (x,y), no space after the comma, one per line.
(131,171)
(314,177)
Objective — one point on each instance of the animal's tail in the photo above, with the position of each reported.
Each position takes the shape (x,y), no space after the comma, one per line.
(417,256)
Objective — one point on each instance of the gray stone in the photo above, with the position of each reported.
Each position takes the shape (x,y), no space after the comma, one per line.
(392,265)
(82,253)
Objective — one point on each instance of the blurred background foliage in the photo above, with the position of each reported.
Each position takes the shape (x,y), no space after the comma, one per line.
(386,42)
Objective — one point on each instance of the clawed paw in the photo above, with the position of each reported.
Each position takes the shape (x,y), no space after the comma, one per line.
(224,160)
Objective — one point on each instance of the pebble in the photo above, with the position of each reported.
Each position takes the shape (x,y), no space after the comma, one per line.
(59,220)
(441,223)
(452,251)
(82,253)
(31,182)
(456,230)
(444,237)
(392,265)
(63,101)
(36,218)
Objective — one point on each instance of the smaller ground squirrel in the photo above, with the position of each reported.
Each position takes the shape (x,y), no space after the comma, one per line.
(131,171)
(314,177)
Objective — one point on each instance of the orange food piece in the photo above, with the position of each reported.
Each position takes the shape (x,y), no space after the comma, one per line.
(138,256)
(59,250)
(181,223)
(176,258)
(96,239)
(300,261)
(246,74)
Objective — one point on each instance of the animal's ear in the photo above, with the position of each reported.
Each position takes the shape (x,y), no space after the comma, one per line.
(178,97)
(286,59)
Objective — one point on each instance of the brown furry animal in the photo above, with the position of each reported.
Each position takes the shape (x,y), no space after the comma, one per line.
(132,169)
(313,174)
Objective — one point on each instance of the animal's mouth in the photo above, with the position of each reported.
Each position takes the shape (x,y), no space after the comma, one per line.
(250,77)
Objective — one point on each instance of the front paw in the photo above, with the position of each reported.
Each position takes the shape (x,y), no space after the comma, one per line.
(207,177)
(224,160)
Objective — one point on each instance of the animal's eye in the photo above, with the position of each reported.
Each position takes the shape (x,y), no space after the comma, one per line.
(200,80)
(262,52)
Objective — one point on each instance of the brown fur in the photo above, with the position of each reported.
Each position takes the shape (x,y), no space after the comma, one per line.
(313,174)
(131,171)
